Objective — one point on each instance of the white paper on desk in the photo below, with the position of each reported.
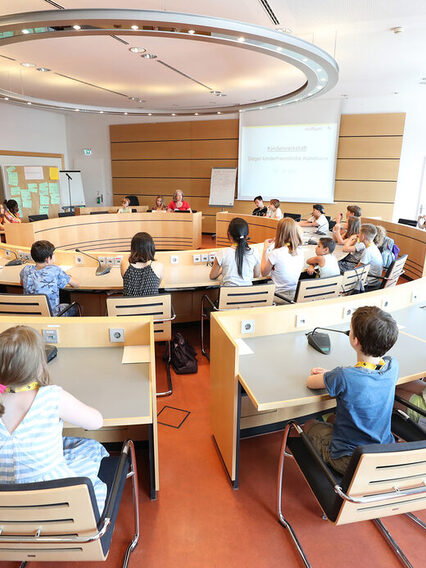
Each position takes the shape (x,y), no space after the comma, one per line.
(136,354)
(243,348)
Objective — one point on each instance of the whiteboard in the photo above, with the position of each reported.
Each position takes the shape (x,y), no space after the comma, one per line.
(75,188)
(222,187)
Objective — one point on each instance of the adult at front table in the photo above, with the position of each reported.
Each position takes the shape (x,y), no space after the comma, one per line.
(261,208)
(11,211)
(178,204)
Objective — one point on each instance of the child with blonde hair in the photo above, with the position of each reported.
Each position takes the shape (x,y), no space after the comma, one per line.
(32,414)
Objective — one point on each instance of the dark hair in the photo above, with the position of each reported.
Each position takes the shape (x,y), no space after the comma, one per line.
(259,197)
(42,250)
(319,208)
(329,243)
(355,210)
(375,330)
(142,248)
(238,230)
(12,205)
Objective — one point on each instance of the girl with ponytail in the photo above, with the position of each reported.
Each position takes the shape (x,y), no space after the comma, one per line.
(238,264)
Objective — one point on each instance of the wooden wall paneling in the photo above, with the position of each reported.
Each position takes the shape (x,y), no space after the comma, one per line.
(159,186)
(367,169)
(366,191)
(187,130)
(175,150)
(370,147)
(169,168)
(383,124)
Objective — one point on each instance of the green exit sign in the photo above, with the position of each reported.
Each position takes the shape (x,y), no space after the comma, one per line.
(87,151)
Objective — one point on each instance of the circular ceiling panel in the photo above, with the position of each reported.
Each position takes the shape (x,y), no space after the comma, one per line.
(146,62)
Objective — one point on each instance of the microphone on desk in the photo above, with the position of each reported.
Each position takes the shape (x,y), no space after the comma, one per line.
(16,261)
(321,341)
(102,268)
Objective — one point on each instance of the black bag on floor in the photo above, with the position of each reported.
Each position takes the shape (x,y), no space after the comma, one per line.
(183,356)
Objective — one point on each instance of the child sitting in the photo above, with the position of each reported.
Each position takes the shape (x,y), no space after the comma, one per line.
(238,264)
(46,278)
(324,260)
(372,256)
(342,237)
(364,393)
(274,211)
(125,206)
(318,219)
(385,246)
(352,211)
(32,412)
(141,273)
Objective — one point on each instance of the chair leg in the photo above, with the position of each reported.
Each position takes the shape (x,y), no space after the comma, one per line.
(203,317)
(169,375)
(399,553)
(23,564)
(281,517)
(133,473)
(416,520)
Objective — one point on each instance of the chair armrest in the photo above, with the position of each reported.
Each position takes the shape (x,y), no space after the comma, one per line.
(122,464)
(205,297)
(410,405)
(64,311)
(285,299)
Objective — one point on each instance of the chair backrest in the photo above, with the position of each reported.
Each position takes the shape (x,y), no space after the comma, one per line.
(32,218)
(25,305)
(234,297)
(395,270)
(61,507)
(296,216)
(98,212)
(318,288)
(66,214)
(160,307)
(380,469)
(353,278)
(411,222)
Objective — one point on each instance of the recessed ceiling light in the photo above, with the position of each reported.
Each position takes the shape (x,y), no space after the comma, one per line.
(126,113)
(150,114)
(77,27)
(101,112)
(25,31)
(6,98)
(241,39)
(323,79)
(137,49)
(28,103)
(25,64)
(218,112)
(196,113)
(319,70)
(134,27)
(149,56)
(43,69)
(305,59)
(173,114)
(191,32)
(77,110)
(279,48)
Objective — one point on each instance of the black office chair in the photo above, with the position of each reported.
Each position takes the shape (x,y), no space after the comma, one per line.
(381,480)
(59,520)
(32,218)
(328,218)
(66,214)
(411,222)
(133,199)
(98,212)
(296,216)
(403,426)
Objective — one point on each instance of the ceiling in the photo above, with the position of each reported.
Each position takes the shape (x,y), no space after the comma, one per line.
(101,71)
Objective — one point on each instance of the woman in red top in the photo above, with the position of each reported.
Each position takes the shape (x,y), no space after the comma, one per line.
(178,202)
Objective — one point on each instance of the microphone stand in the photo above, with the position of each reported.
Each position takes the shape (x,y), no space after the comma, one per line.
(321,341)
(102,268)
(16,261)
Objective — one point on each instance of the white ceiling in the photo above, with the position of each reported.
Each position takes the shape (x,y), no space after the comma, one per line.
(373,61)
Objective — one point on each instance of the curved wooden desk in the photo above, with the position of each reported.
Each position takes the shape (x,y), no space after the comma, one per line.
(410,240)
(111,232)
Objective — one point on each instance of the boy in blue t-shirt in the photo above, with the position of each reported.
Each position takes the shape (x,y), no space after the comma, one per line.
(364,393)
(45,277)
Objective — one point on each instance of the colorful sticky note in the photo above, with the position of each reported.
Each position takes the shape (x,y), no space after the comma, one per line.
(15,190)
(54,199)
(10,168)
(44,210)
(12,178)
(53,188)
(54,173)
(44,200)
(27,203)
(25,194)
(33,187)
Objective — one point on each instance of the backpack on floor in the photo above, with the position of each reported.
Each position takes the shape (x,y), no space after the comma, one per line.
(183,356)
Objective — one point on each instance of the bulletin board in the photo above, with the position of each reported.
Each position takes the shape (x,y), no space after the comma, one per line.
(34,187)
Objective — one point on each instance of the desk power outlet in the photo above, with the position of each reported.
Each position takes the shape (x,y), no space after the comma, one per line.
(116,335)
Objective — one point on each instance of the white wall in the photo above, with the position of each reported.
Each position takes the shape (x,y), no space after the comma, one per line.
(413,152)
(25,129)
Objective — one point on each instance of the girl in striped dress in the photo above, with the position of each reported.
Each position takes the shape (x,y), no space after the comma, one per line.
(32,413)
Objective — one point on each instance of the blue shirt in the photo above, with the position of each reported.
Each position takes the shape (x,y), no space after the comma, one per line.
(364,406)
(47,280)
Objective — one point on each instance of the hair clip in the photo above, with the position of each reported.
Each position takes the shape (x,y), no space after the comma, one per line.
(3,388)
(241,236)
